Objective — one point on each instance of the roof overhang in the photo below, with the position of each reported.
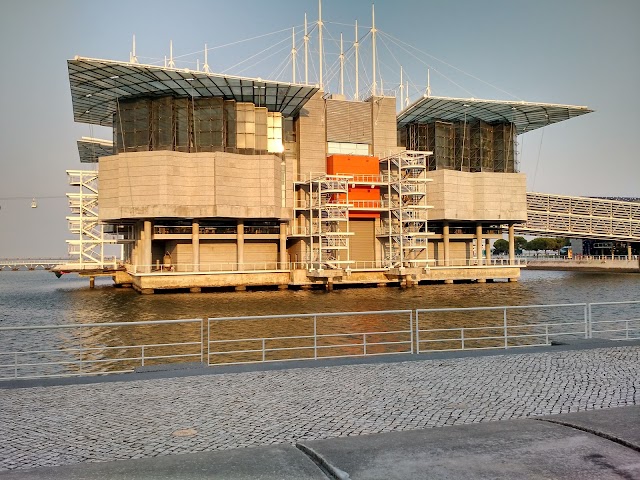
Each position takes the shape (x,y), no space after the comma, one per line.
(96,85)
(526,116)
(91,149)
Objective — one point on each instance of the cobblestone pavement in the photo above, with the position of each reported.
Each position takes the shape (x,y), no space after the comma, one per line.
(57,425)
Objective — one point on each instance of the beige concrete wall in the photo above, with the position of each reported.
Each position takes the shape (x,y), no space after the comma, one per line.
(260,252)
(312,138)
(190,185)
(385,131)
(477,196)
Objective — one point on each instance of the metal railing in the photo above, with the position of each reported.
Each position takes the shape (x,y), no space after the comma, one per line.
(615,329)
(313,345)
(88,360)
(213,267)
(312,336)
(487,333)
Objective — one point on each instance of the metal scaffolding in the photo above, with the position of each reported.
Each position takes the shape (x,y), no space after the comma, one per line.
(88,247)
(327,221)
(404,231)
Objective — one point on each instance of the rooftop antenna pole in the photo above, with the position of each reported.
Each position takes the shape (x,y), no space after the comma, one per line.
(320,38)
(205,67)
(373,47)
(293,55)
(165,61)
(356,46)
(306,52)
(341,67)
(132,55)
(172,64)
(428,83)
(401,89)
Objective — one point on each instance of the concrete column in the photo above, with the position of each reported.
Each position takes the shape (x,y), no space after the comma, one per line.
(487,247)
(479,243)
(512,244)
(283,245)
(146,246)
(445,241)
(195,244)
(629,252)
(240,242)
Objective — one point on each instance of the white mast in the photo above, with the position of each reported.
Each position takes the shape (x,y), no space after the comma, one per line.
(428,83)
(132,54)
(401,89)
(373,48)
(172,64)
(407,94)
(356,45)
(306,52)
(341,67)
(205,67)
(320,38)
(293,55)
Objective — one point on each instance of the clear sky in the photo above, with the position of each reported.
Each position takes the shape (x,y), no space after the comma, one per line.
(580,52)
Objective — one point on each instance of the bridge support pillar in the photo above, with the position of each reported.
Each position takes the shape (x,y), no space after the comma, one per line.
(445,242)
(146,247)
(92,282)
(487,249)
(479,243)
(240,243)
(195,245)
(512,244)
(629,255)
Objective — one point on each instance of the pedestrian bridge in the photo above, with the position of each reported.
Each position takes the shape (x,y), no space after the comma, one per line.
(581,217)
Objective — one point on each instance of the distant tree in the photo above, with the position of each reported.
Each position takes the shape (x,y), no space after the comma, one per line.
(537,244)
(520,243)
(500,246)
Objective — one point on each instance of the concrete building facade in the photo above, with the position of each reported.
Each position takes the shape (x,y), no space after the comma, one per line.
(224,181)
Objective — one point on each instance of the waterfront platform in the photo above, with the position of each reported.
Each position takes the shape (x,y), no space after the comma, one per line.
(372,418)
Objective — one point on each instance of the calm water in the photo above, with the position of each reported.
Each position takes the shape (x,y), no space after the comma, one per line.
(38,298)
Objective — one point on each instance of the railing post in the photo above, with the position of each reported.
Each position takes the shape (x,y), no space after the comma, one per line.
(315,337)
(417,333)
(627,330)
(142,348)
(462,337)
(411,329)
(364,342)
(263,351)
(546,334)
(81,360)
(506,339)
(587,321)
(208,341)
(202,340)
(15,365)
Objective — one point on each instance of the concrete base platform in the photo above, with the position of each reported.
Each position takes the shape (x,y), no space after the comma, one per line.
(600,444)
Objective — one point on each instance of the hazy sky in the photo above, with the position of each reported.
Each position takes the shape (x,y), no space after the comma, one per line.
(580,52)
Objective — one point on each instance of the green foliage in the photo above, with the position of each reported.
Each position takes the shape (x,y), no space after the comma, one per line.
(547,244)
(500,246)
(520,243)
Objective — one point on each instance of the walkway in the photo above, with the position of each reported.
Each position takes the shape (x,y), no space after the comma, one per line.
(68,424)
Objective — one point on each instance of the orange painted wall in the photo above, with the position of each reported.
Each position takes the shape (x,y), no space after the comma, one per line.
(357,165)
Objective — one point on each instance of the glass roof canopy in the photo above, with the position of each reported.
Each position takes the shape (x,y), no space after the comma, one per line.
(91,149)
(525,116)
(97,84)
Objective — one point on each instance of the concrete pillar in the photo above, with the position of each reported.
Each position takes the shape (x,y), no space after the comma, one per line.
(240,244)
(512,244)
(283,246)
(629,252)
(445,241)
(146,246)
(479,243)
(92,282)
(487,248)
(195,244)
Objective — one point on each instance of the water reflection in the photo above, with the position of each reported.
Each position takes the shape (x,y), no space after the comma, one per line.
(38,298)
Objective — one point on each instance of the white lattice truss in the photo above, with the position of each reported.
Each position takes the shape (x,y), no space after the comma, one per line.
(405,228)
(581,217)
(88,246)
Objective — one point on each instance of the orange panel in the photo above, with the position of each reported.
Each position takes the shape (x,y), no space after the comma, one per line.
(357,165)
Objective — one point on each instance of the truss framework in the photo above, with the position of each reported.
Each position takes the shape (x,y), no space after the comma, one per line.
(581,217)
(404,230)
(88,246)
